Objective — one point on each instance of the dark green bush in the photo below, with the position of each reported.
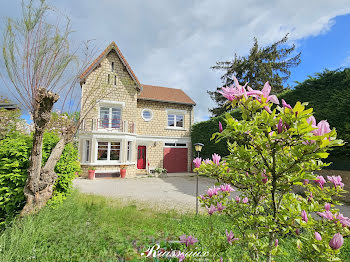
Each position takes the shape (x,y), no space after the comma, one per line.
(328,93)
(14,162)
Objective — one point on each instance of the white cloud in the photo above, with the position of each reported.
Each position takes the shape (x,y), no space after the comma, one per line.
(174,43)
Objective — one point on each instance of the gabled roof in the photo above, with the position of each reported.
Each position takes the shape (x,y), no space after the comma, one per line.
(112,46)
(164,94)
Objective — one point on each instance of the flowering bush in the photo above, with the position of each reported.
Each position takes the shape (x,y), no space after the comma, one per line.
(272,150)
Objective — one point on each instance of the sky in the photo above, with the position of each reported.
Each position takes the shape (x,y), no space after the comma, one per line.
(174,43)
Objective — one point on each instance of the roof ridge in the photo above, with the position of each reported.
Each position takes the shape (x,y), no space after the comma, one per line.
(109,48)
(163,87)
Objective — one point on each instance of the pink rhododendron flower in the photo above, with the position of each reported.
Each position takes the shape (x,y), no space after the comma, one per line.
(202,197)
(276,242)
(216,158)
(297,231)
(327,206)
(304,216)
(211,209)
(220,127)
(181,257)
(321,128)
(345,221)
(235,92)
(226,188)
(337,241)
(336,180)
(188,240)
(207,161)
(230,237)
(285,105)
(238,199)
(264,179)
(267,108)
(320,181)
(245,200)
(197,162)
(213,191)
(318,236)
(220,207)
(306,181)
(280,126)
(327,214)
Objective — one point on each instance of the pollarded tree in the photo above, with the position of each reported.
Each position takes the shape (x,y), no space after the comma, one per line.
(42,69)
(270,63)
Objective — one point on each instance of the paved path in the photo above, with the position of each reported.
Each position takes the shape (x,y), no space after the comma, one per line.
(177,191)
(173,192)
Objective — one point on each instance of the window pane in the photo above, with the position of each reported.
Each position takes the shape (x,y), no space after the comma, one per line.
(104,117)
(87,152)
(116,117)
(180,144)
(115,151)
(171,120)
(112,66)
(169,144)
(115,80)
(179,120)
(146,114)
(129,151)
(102,150)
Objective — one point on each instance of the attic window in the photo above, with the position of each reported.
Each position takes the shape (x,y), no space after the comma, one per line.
(112,66)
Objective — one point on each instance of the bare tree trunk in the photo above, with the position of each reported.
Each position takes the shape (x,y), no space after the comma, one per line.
(38,188)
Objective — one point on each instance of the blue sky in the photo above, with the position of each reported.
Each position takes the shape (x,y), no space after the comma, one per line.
(329,50)
(174,43)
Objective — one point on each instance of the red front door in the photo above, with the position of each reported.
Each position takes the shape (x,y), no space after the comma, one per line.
(141,157)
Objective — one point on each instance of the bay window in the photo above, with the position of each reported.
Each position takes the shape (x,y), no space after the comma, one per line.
(108,151)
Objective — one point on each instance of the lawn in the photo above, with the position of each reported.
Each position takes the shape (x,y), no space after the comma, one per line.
(94,228)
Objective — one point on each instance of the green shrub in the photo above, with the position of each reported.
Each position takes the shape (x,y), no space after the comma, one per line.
(328,93)
(14,161)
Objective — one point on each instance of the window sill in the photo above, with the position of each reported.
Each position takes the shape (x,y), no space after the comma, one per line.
(176,128)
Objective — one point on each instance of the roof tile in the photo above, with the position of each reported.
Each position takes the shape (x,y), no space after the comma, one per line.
(164,94)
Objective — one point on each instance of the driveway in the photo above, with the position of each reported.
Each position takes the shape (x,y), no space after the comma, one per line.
(178,191)
(173,192)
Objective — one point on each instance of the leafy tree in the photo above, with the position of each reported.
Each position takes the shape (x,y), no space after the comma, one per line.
(271,151)
(271,63)
(43,69)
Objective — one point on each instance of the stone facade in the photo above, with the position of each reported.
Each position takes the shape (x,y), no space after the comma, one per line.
(106,88)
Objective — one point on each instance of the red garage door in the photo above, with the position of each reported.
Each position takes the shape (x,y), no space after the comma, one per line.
(175,159)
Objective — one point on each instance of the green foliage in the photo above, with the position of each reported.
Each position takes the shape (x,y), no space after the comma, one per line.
(14,162)
(270,63)
(329,94)
(201,133)
(271,152)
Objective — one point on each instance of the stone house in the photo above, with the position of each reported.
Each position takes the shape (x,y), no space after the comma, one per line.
(131,124)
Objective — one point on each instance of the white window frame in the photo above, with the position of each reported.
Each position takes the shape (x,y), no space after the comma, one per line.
(151,112)
(176,144)
(109,151)
(175,112)
(129,151)
(110,114)
(87,150)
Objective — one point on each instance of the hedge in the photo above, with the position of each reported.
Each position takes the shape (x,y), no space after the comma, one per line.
(14,161)
(327,92)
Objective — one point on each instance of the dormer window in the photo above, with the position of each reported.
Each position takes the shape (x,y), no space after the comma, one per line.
(112,66)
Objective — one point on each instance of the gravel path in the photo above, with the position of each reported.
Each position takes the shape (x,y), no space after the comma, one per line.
(161,193)
(170,193)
